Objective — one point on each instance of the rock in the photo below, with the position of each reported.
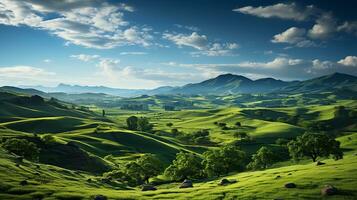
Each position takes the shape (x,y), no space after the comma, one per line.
(100,197)
(277,177)
(320,163)
(186,184)
(329,190)
(290,185)
(224,182)
(89,180)
(23,183)
(148,187)
(290,174)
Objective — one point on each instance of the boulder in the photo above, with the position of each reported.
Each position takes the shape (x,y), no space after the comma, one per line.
(329,190)
(186,184)
(100,197)
(226,182)
(290,185)
(148,187)
(320,163)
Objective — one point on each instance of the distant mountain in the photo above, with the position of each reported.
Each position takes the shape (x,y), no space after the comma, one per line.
(230,83)
(220,85)
(78,89)
(324,84)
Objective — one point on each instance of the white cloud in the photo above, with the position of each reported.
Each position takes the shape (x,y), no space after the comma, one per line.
(320,65)
(24,72)
(280,10)
(92,24)
(295,36)
(325,26)
(133,53)
(201,43)
(85,57)
(349,27)
(194,40)
(349,61)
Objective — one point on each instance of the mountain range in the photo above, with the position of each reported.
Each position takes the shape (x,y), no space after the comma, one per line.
(220,85)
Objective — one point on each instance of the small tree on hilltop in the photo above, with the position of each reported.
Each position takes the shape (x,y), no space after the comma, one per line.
(186,165)
(22,147)
(132,123)
(314,146)
(150,166)
(262,159)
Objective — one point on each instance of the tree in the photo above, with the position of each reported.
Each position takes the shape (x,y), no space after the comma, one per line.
(262,159)
(224,160)
(186,165)
(150,166)
(103,113)
(314,146)
(132,123)
(281,141)
(144,125)
(169,124)
(22,147)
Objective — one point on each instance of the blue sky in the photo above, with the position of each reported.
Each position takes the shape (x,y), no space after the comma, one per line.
(146,44)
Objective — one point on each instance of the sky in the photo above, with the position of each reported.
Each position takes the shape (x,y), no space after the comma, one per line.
(146,44)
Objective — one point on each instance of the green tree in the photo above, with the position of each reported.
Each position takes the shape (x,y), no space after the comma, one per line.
(22,147)
(186,165)
(132,123)
(144,124)
(223,160)
(169,124)
(262,159)
(314,146)
(150,166)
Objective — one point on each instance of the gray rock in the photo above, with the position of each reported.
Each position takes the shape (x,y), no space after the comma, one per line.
(186,184)
(148,187)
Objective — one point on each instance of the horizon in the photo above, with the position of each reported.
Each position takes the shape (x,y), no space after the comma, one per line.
(146,45)
(74,85)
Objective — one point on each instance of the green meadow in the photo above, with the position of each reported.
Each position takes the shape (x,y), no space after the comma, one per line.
(82,145)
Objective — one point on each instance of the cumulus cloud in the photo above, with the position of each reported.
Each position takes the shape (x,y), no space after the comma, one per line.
(92,23)
(325,26)
(85,57)
(349,61)
(295,36)
(281,10)
(201,43)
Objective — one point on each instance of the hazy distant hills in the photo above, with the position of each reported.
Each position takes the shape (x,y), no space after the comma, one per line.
(220,85)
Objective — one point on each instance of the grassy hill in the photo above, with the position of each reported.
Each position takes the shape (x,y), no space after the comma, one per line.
(86,144)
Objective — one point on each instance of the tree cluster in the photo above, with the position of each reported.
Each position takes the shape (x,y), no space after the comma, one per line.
(139,124)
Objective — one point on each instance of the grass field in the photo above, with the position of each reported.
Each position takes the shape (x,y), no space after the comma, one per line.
(107,140)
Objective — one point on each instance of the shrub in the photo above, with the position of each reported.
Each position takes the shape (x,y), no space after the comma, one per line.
(22,147)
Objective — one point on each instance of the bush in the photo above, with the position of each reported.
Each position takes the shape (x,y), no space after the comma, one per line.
(22,147)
